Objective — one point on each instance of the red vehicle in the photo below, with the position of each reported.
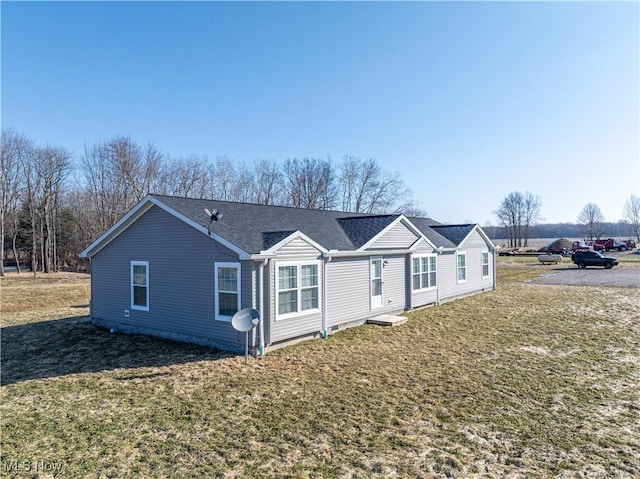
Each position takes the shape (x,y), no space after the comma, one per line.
(620,245)
(607,244)
(586,246)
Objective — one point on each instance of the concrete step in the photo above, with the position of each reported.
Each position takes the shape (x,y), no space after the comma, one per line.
(387,320)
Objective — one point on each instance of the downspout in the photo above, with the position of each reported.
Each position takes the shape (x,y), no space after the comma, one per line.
(325,322)
(495,276)
(92,290)
(262,304)
(439,250)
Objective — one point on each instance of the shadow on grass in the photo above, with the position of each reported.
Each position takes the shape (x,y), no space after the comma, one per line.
(73,345)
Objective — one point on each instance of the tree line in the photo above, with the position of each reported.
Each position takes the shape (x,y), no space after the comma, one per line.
(519,215)
(53,204)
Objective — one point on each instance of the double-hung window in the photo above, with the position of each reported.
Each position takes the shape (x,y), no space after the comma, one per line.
(140,285)
(424,272)
(298,288)
(485,264)
(462,267)
(227,290)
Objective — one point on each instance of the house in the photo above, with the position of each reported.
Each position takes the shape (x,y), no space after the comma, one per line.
(165,270)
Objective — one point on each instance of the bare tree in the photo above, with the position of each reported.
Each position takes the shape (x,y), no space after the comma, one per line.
(268,182)
(15,149)
(365,187)
(531,214)
(118,173)
(52,167)
(187,176)
(510,216)
(310,183)
(592,219)
(632,214)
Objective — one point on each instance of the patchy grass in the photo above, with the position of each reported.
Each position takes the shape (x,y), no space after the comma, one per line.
(526,381)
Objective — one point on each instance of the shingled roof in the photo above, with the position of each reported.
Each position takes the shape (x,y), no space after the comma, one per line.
(454,233)
(254,228)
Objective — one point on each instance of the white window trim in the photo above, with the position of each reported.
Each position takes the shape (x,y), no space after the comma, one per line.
(238,267)
(299,288)
(422,288)
(146,265)
(458,280)
(482,265)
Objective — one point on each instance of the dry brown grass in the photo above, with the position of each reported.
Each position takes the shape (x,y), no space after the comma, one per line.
(527,381)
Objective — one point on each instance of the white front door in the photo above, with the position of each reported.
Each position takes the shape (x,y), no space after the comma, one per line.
(376,282)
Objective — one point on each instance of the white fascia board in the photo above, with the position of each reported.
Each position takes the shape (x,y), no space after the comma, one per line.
(137,211)
(357,253)
(408,224)
(418,232)
(481,232)
(414,246)
(296,234)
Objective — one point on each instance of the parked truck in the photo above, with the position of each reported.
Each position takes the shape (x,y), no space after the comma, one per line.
(613,244)
(587,245)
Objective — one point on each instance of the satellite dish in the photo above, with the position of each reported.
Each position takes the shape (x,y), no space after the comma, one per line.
(245,320)
(214,217)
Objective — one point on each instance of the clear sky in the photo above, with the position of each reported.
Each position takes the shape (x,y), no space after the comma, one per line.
(468,101)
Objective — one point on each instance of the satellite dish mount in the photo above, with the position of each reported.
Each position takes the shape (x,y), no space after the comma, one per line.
(214,217)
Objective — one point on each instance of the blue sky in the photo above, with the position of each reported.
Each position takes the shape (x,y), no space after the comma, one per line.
(468,101)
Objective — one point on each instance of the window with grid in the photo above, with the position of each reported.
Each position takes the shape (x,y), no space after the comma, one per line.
(140,285)
(485,264)
(298,288)
(462,267)
(227,290)
(424,272)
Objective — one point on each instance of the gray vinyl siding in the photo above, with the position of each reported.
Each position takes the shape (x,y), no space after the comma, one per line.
(296,251)
(348,297)
(397,237)
(447,264)
(181,280)
(348,289)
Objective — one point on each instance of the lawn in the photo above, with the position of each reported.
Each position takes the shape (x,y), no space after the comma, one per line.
(526,381)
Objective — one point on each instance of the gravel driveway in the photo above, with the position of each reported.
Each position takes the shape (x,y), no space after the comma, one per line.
(623,275)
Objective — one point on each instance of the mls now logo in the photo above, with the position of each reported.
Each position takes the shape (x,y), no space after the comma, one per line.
(40,465)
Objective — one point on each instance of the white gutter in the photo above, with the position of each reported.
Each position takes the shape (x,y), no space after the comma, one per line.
(346,254)
(262,256)
(495,275)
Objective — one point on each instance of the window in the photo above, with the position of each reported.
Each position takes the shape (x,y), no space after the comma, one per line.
(462,267)
(485,264)
(424,272)
(140,285)
(298,288)
(227,285)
